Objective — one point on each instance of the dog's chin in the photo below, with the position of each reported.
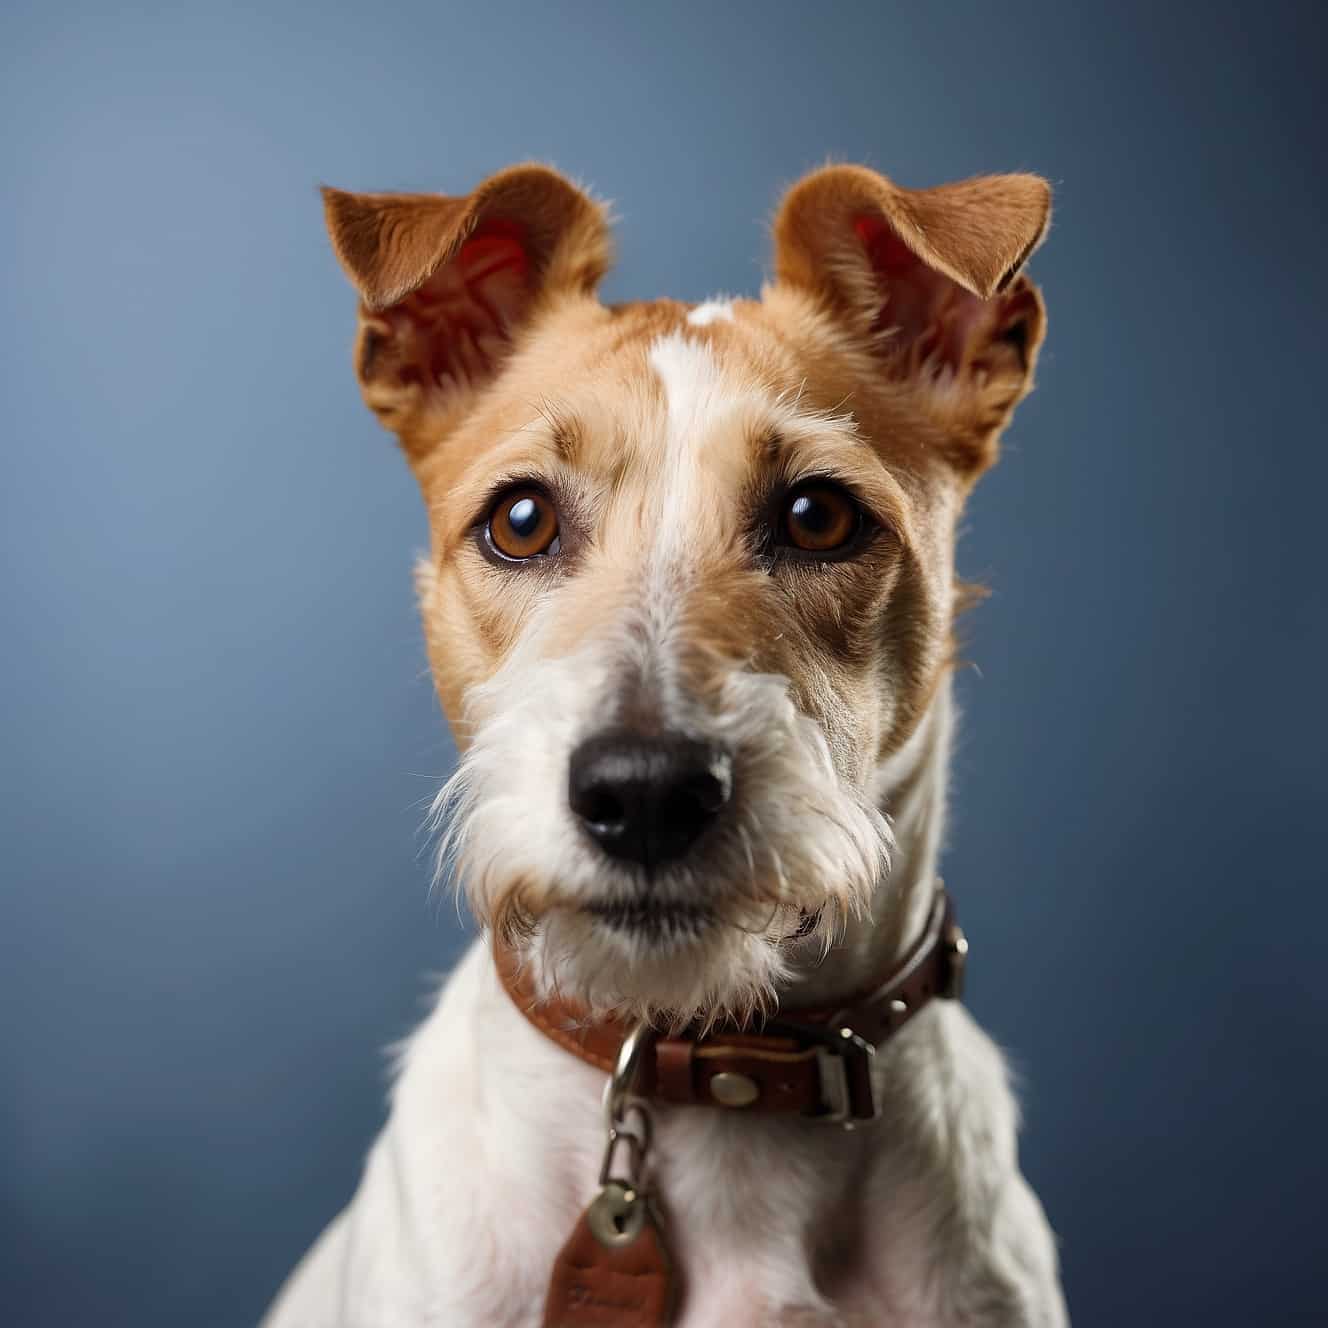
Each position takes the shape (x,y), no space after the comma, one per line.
(649,924)
(671,964)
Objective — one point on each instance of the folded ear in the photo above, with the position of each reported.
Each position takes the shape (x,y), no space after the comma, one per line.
(929,279)
(446,285)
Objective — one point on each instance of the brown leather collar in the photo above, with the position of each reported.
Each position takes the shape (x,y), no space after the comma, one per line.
(815,1063)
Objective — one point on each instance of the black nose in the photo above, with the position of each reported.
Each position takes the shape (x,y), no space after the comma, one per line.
(647,799)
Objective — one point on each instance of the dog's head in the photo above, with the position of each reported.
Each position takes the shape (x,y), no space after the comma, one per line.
(691,577)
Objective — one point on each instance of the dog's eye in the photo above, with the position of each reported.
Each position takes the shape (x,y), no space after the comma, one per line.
(523,524)
(820,518)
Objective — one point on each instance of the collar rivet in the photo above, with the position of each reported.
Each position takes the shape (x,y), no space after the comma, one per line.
(734,1090)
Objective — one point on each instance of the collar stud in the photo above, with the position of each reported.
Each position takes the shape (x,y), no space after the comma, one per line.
(731,1089)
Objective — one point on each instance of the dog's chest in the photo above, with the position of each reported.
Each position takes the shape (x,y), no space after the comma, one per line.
(491,1156)
(493,1148)
(768,1220)
(771,1221)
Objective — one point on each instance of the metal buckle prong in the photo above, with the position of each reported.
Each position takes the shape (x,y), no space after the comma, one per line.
(834,1088)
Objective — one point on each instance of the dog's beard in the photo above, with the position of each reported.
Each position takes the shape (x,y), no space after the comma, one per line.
(799,851)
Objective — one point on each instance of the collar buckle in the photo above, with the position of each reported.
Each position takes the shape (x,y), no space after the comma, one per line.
(848,1089)
(844,1065)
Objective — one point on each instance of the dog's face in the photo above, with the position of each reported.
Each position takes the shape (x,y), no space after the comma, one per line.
(691,574)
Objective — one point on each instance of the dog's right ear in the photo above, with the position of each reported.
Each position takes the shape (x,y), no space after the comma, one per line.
(447,284)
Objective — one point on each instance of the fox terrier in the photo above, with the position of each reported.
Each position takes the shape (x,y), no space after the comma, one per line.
(689,608)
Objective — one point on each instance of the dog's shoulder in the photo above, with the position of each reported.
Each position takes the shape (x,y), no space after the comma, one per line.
(949,1175)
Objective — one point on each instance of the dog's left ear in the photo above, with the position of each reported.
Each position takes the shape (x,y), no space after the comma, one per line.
(448,284)
(929,280)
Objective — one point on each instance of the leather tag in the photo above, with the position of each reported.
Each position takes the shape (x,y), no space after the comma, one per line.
(623,1286)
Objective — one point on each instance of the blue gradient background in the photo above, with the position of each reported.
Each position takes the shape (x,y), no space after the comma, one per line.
(217,725)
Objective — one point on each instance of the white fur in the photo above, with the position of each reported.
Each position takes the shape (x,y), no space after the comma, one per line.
(492,1147)
(699,404)
(718,310)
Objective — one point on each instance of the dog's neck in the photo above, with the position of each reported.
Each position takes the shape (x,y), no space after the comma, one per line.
(910,787)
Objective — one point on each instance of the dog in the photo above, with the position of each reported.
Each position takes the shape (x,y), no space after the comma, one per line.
(689,607)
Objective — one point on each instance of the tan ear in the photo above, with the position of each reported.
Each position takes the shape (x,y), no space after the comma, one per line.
(929,278)
(447,284)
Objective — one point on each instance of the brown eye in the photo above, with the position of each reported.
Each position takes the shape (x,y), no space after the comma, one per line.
(523,524)
(819,518)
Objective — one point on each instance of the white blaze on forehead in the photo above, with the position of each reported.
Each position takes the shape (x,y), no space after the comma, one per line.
(712,311)
(696,399)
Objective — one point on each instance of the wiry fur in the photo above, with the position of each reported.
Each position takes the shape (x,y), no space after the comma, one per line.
(886,364)
(801,839)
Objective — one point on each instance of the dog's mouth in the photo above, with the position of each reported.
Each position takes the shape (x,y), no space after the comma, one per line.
(652,919)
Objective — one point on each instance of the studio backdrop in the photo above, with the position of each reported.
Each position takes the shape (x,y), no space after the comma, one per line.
(218,736)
